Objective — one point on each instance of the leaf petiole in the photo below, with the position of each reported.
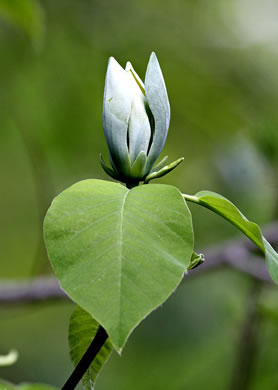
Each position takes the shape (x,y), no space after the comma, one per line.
(191,198)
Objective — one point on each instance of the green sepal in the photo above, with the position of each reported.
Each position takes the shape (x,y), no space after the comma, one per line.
(108,170)
(137,169)
(196,260)
(163,171)
(160,165)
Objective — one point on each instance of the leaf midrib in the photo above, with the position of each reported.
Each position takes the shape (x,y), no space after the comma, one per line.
(121,257)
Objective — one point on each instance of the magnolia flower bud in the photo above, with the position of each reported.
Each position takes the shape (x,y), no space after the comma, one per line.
(135,119)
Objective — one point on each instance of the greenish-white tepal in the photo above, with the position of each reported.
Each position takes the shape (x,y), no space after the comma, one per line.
(136,118)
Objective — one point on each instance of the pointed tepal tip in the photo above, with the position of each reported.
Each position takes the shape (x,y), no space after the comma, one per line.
(153,57)
(113,65)
(111,60)
(153,63)
(128,66)
(153,73)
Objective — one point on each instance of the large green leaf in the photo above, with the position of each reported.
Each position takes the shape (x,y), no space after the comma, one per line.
(82,330)
(119,253)
(24,386)
(231,213)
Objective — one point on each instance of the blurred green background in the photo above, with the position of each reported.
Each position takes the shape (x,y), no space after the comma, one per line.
(219,60)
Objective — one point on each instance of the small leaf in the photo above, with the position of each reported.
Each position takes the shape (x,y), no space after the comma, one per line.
(271,257)
(160,165)
(108,170)
(119,253)
(163,171)
(196,260)
(231,213)
(82,330)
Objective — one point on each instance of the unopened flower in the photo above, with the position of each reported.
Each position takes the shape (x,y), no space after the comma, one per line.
(136,119)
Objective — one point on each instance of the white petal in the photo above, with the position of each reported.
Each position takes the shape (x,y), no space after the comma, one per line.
(129,68)
(117,104)
(139,130)
(157,98)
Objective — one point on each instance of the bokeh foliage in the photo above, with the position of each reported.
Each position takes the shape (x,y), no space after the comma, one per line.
(220,72)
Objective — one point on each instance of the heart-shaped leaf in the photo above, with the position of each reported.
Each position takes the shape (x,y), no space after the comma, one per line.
(231,213)
(119,253)
(82,331)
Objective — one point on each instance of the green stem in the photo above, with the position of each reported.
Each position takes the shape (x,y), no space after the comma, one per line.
(131,185)
(191,198)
